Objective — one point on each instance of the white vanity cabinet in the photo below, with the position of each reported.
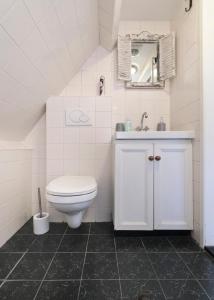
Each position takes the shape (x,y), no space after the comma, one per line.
(133,186)
(153,184)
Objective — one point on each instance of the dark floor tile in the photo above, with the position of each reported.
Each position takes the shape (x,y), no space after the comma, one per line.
(157,244)
(201,264)
(184,244)
(208,285)
(183,290)
(23,290)
(100,266)
(32,266)
(7,262)
(18,243)
(135,266)
(45,243)
(59,290)
(66,266)
(27,228)
(101,243)
(133,289)
(100,290)
(102,228)
(129,244)
(73,243)
(83,229)
(57,228)
(169,266)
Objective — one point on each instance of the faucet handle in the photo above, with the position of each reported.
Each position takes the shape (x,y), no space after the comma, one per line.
(146,128)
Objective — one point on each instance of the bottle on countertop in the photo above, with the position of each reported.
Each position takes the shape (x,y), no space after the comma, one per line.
(161,125)
(128,125)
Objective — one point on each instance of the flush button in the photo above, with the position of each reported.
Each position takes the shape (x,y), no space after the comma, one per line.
(77,118)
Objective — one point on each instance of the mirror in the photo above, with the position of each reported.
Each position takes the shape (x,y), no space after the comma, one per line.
(145,65)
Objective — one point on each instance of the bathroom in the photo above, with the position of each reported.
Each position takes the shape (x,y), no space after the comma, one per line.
(61,101)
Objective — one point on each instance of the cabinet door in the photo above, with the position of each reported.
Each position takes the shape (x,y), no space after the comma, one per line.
(173,203)
(133,203)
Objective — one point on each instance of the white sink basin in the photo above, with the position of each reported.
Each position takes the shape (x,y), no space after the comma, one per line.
(153,135)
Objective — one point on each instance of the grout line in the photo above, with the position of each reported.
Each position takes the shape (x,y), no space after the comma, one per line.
(118,268)
(44,40)
(153,268)
(48,267)
(84,262)
(5,279)
(30,61)
(103,279)
(194,277)
(145,252)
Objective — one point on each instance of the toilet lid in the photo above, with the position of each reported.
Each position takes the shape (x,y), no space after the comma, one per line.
(71,185)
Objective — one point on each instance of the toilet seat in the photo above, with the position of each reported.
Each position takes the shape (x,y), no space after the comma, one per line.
(71,199)
(70,186)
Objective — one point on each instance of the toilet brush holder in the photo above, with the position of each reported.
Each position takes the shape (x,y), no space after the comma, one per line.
(41,224)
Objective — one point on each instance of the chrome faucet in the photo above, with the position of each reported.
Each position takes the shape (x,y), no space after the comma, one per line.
(141,127)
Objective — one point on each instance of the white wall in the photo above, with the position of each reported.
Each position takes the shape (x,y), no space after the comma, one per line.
(185,95)
(88,150)
(15,189)
(208,120)
(37,140)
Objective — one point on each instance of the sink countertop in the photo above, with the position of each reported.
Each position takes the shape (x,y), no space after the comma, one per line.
(153,135)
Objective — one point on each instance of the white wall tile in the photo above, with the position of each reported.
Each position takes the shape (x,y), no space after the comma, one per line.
(86,135)
(103,135)
(15,189)
(103,104)
(70,167)
(71,135)
(103,119)
(70,151)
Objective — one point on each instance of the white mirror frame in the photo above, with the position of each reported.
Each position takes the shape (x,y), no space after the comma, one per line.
(145,37)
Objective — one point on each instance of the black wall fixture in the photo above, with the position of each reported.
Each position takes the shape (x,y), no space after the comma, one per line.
(187,9)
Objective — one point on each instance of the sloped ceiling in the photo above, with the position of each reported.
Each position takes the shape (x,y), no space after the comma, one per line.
(109,19)
(157,10)
(43,43)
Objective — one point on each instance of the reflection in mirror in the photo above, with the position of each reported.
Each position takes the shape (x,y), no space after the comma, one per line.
(145,64)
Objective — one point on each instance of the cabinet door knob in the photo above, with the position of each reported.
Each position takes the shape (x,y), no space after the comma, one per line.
(151,158)
(157,158)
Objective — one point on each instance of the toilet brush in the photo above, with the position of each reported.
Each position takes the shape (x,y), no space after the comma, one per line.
(40,203)
(41,219)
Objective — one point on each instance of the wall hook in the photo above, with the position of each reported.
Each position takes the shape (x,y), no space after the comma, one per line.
(187,9)
(102,84)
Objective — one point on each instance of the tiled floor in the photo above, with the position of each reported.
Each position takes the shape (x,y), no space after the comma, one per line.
(91,263)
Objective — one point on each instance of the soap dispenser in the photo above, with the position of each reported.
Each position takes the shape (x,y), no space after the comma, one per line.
(161,125)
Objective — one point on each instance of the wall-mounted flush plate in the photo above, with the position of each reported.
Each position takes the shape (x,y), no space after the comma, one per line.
(77,118)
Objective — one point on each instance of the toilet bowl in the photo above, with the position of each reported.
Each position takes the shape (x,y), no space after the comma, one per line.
(72,195)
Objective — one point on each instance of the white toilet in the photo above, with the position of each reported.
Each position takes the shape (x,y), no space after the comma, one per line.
(72,195)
